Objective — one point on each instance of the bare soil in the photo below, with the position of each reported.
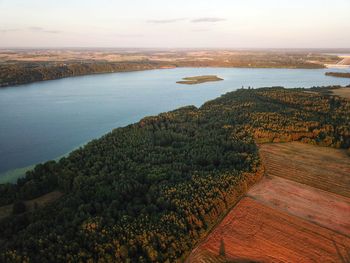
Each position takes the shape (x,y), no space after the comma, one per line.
(317,206)
(253,232)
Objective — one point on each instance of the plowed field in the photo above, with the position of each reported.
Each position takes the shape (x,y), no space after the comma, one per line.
(299,212)
(255,232)
(317,206)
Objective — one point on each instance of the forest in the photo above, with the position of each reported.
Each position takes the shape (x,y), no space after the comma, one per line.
(27,72)
(148,192)
(338,74)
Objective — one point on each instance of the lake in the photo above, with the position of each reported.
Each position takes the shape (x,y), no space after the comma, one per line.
(45,120)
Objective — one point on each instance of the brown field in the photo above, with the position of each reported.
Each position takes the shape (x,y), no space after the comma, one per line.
(342,92)
(317,206)
(321,167)
(345,60)
(30,205)
(181,57)
(255,232)
(287,217)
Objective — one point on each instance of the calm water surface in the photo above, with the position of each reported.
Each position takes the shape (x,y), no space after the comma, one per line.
(44,120)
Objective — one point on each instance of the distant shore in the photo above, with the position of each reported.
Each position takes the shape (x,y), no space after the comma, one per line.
(338,74)
(28,66)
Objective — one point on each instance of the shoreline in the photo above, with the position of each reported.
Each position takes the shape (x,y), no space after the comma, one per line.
(336,66)
(12,175)
(6,85)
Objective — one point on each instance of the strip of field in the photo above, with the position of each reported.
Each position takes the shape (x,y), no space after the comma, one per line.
(324,168)
(41,201)
(317,206)
(255,232)
(345,60)
(342,92)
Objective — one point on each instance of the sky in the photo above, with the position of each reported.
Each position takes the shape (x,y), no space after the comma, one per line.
(175,24)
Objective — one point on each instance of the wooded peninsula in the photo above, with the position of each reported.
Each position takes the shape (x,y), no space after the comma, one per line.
(338,74)
(151,190)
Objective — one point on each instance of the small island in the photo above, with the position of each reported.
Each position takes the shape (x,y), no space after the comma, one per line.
(338,74)
(199,79)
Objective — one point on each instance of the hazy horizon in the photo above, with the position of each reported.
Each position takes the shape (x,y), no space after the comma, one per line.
(159,24)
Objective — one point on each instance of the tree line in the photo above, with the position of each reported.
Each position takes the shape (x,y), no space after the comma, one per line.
(22,73)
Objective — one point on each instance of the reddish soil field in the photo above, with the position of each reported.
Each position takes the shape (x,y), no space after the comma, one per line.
(321,167)
(255,232)
(317,206)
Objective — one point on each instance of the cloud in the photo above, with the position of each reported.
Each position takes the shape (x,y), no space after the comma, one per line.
(195,20)
(40,29)
(208,20)
(166,21)
(8,30)
(35,28)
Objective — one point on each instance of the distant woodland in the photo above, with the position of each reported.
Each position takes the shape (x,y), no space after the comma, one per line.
(21,73)
(338,74)
(20,67)
(150,191)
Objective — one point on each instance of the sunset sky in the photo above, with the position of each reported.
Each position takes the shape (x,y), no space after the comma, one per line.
(171,24)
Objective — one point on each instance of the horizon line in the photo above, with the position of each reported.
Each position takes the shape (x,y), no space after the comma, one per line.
(178,48)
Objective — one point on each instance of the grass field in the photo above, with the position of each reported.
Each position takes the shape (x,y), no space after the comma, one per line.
(30,205)
(342,92)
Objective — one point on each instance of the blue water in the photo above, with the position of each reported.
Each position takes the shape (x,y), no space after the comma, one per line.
(44,120)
